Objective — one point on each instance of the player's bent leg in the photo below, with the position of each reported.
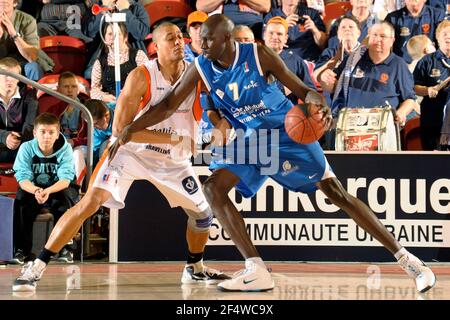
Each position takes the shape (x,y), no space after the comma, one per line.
(366,219)
(197,233)
(359,212)
(255,276)
(66,228)
(216,189)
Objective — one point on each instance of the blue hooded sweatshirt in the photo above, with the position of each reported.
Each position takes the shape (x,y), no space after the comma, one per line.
(44,171)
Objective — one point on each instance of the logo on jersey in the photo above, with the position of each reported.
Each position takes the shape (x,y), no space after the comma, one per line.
(190,185)
(404,32)
(384,77)
(251,85)
(246,68)
(426,28)
(220,93)
(358,73)
(288,168)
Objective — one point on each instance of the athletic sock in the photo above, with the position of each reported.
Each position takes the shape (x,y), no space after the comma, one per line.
(46,255)
(194,257)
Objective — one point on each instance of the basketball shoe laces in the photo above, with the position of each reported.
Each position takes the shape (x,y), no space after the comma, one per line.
(29,272)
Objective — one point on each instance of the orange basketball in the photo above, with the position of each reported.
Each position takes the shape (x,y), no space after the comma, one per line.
(304,124)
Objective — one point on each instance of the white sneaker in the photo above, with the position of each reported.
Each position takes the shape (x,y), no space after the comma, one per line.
(199,273)
(30,274)
(252,278)
(416,269)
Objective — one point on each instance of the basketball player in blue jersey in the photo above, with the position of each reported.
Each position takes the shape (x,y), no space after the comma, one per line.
(237,78)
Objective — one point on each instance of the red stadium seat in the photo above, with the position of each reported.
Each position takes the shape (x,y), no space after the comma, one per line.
(411,135)
(68,53)
(174,10)
(8,183)
(47,101)
(334,10)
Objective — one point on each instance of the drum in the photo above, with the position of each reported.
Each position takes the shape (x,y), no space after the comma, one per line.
(367,129)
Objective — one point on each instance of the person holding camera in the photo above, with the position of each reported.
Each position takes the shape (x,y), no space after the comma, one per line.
(307,33)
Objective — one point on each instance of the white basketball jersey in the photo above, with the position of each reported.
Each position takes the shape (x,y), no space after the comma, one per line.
(182,122)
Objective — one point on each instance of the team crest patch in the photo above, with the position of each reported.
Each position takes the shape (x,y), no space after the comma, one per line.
(435,73)
(288,168)
(404,32)
(190,185)
(384,77)
(246,68)
(426,28)
(358,73)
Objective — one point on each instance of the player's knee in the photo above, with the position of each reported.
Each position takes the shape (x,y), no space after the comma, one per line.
(91,202)
(334,190)
(200,221)
(211,190)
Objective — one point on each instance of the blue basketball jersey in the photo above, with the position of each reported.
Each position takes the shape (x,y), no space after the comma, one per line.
(242,93)
(249,102)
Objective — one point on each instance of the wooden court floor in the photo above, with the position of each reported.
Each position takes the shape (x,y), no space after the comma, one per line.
(161,281)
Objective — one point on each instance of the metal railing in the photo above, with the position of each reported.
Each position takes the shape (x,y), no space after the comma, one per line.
(90,139)
(86,114)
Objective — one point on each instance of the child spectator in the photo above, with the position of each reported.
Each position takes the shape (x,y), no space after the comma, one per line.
(103,118)
(419,46)
(45,172)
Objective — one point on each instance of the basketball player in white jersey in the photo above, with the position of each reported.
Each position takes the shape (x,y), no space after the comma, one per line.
(147,157)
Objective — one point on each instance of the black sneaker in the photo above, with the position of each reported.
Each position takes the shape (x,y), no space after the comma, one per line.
(65,256)
(206,275)
(19,258)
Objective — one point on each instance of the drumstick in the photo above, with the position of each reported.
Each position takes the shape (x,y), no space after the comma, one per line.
(443,84)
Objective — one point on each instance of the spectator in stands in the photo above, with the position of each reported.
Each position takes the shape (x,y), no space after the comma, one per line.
(62,17)
(45,173)
(275,37)
(371,76)
(440,4)
(73,127)
(348,33)
(361,11)
(414,19)
(418,47)
(243,34)
(194,22)
(246,12)
(18,108)
(103,86)
(103,118)
(307,37)
(431,77)
(382,7)
(19,40)
(137,23)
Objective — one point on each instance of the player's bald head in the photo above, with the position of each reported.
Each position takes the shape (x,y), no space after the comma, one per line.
(219,23)
(163,29)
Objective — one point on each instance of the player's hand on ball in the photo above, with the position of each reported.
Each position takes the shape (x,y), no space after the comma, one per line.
(318,99)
